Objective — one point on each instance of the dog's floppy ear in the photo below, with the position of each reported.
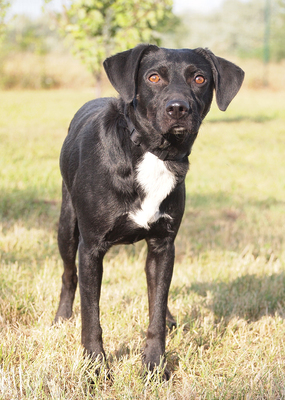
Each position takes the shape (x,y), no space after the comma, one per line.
(228,78)
(122,70)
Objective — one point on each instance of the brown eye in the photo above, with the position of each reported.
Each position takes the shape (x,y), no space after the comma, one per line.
(199,79)
(154,78)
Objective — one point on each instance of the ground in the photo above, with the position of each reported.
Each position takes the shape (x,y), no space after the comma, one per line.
(227,292)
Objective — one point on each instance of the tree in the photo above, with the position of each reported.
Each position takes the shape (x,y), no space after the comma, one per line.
(4,4)
(99,28)
(237,27)
(277,29)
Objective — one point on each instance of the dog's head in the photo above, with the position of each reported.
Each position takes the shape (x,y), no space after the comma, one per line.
(172,90)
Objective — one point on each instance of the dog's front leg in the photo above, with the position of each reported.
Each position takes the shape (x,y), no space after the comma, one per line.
(159,269)
(90,279)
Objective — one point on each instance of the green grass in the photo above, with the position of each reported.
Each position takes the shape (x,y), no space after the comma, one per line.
(227,292)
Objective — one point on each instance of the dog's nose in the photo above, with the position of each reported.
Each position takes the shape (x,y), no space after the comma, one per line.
(177,109)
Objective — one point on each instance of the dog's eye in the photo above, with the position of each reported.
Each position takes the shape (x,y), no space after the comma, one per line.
(154,78)
(199,79)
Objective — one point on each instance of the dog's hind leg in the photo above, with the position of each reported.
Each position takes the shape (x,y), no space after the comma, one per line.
(170,320)
(68,238)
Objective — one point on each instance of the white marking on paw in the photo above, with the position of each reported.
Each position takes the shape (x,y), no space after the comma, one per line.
(157,182)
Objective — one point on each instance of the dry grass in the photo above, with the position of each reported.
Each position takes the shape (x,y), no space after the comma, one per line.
(258,74)
(228,287)
(34,71)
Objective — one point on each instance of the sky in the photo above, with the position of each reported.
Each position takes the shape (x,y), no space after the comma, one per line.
(33,7)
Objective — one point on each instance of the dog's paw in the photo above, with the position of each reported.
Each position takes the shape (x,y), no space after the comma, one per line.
(154,367)
(64,313)
(97,367)
(60,319)
(155,373)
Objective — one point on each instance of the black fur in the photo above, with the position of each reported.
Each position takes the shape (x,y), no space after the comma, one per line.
(107,140)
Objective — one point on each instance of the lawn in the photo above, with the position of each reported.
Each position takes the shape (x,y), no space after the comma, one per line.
(227,292)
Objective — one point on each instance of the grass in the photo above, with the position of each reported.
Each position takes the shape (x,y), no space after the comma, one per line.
(35,71)
(227,292)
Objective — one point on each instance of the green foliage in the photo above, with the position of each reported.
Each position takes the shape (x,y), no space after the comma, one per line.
(100,28)
(4,4)
(27,35)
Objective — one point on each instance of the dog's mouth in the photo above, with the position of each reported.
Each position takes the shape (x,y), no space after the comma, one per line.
(178,131)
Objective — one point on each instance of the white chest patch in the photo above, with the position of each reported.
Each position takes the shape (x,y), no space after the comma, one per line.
(157,182)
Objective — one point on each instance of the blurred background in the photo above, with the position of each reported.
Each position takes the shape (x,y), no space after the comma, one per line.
(227,292)
(62,43)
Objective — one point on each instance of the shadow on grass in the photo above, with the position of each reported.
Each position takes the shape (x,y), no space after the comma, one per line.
(249,297)
(219,221)
(28,221)
(212,221)
(221,199)
(29,206)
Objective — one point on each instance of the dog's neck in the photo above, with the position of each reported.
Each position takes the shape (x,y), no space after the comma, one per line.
(162,151)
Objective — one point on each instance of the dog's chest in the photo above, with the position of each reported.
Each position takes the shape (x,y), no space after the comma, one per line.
(157,182)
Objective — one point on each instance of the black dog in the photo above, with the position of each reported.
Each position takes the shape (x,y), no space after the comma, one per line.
(123,164)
